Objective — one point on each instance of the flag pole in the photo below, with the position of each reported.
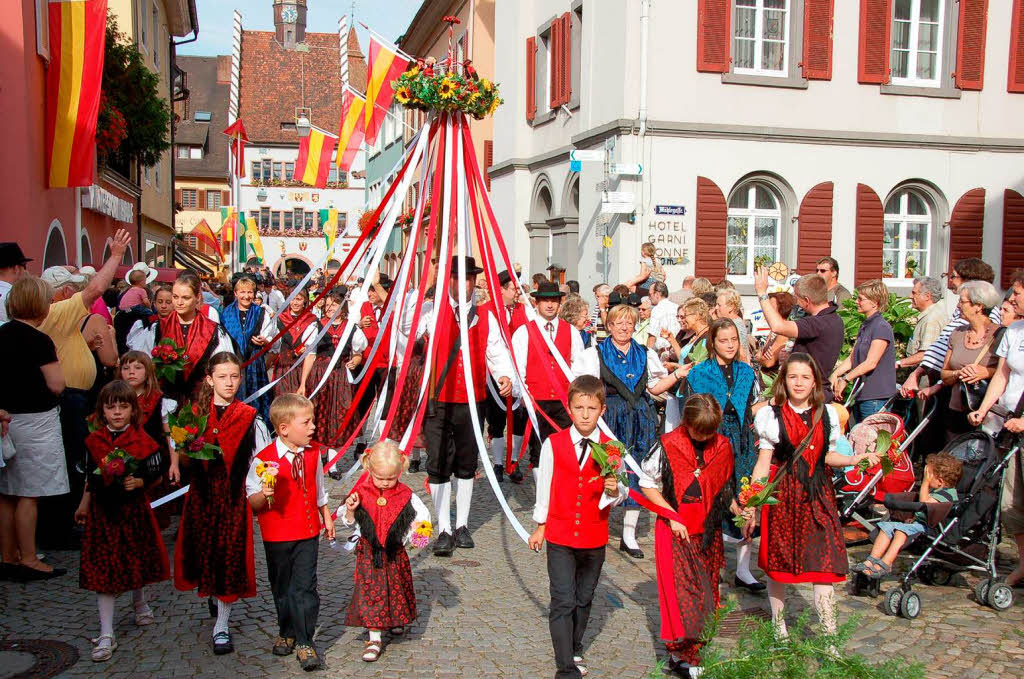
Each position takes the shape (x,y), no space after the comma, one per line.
(394,48)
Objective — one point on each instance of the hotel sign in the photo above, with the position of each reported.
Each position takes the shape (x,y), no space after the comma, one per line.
(103,201)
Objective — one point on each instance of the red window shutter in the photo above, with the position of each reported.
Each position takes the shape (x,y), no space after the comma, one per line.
(815,227)
(870,226)
(201,199)
(531,78)
(225,198)
(488,161)
(874,41)
(1013,235)
(713,35)
(817,63)
(970,48)
(1015,80)
(566,58)
(967,226)
(712,215)
(555,64)
(177,197)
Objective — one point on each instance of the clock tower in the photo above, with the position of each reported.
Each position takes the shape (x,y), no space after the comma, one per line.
(290,22)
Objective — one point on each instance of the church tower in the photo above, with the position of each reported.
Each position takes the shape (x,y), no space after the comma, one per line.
(290,22)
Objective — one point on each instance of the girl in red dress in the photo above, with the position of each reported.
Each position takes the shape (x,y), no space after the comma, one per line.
(214,551)
(386,511)
(299,336)
(801,539)
(691,473)
(121,549)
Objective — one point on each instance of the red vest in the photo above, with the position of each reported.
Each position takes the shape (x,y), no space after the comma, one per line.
(538,378)
(454,388)
(573,517)
(518,317)
(294,514)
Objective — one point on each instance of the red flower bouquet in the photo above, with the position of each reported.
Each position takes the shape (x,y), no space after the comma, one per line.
(187,427)
(755,493)
(115,466)
(608,457)
(169,359)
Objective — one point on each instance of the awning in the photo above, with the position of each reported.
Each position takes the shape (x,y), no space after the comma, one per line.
(188,257)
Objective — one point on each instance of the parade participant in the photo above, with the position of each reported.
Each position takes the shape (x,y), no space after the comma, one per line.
(121,550)
(801,539)
(335,399)
(631,374)
(301,331)
(733,385)
(537,366)
(192,331)
(130,324)
(448,427)
(387,512)
(372,312)
(291,507)
(514,313)
(574,524)
(690,472)
(250,328)
(214,549)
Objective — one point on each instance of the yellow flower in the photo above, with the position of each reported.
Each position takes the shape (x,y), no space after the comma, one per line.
(178,435)
(260,468)
(494,106)
(486,84)
(413,72)
(403,95)
(447,88)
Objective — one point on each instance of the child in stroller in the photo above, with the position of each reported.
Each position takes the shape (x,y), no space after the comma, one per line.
(942,472)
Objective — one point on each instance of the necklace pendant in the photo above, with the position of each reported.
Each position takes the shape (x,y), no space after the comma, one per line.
(381,501)
(696,473)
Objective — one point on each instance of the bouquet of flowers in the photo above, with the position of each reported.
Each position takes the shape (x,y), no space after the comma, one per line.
(755,493)
(168,358)
(116,465)
(608,457)
(425,88)
(187,427)
(267,473)
(422,531)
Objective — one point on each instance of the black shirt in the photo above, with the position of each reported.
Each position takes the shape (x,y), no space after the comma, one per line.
(821,336)
(23,388)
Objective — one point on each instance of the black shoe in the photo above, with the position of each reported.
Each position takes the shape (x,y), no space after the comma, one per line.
(308,658)
(22,573)
(444,545)
(222,643)
(283,646)
(635,553)
(335,474)
(749,586)
(679,668)
(414,466)
(211,606)
(499,472)
(463,540)
(516,476)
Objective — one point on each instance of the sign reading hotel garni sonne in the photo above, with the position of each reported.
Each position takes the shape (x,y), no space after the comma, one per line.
(668,233)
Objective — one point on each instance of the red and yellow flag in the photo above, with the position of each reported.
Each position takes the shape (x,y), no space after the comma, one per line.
(239,139)
(314,161)
(204,234)
(385,65)
(350,136)
(73,79)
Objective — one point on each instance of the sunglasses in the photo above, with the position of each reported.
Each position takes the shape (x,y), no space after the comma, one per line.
(822,270)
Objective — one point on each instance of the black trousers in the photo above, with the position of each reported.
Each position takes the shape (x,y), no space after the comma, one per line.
(573,575)
(291,567)
(497,418)
(557,412)
(451,443)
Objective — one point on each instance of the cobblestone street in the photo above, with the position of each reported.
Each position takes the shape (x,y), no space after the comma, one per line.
(482,613)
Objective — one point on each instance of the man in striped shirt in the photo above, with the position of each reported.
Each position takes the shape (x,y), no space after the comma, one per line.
(601,292)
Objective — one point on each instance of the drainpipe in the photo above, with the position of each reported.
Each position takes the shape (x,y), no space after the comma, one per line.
(645,12)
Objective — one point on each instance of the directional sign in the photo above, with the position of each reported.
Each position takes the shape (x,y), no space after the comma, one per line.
(617,197)
(627,168)
(587,156)
(617,208)
(575,166)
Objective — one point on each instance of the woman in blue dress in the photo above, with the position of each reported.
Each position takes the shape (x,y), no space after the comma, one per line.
(631,374)
(734,385)
(250,328)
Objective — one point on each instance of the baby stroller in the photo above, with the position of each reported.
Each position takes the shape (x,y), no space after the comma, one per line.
(961,536)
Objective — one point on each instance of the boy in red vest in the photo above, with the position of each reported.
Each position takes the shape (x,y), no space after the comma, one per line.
(544,378)
(572,516)
(291,509)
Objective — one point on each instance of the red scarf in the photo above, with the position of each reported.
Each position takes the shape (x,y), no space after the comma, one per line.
(383,516)
(134,441)
(200,333)
(796,430)
(150,402)
(298,327)
(682,460)
(228,430)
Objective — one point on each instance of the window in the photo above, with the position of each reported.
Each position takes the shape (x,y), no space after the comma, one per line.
(760,37)
(289,171)
(275,220)
(182,151)
(288,216)
(299,219)
(907,239)
(156,40)
(288,127)
(156,176)
(213,200)
(343,177)
(332,174)
(145,174)
(267,164)
(143,24)
(189,199)
(312,220)
(278,171)
(195,152)
(203,116)
(264,217)
(55,253)
(917,42)
(754,220)
(254,171)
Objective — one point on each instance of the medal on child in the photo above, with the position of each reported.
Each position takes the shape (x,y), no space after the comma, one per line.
(381,501)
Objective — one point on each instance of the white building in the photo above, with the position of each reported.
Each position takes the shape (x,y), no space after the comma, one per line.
(788,128)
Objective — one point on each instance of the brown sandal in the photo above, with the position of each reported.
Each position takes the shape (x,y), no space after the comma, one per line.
(372,651)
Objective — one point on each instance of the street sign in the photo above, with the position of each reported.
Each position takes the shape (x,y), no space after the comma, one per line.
(617,208)
(669,210)
(626,168)
(586,156)
(617,197)
(575,166)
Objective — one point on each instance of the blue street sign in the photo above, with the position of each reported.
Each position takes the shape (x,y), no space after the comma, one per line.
(575,165)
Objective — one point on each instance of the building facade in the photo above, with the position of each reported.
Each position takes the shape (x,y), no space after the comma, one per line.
(279,76)
(887,134)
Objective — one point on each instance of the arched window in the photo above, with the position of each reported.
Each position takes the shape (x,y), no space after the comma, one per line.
(906,245)
(754,227)
(56,252)
(86,246)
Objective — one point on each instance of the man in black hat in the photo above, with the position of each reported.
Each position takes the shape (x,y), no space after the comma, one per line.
(448,426)
(12,267)
(545,381)
(514,313)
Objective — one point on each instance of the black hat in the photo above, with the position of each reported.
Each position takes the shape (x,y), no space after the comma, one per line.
(632,299)
(504,278)
(11,255)
(547,290)
(385,281)
(471,267)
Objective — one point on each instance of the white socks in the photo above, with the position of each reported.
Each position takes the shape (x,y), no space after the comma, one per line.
(743,551)
(463,498)
(517,445)
(777,601)
(629,521)
(105,604)
(498,451)
(223,613)
(441,493)
(374,635)
(825,604)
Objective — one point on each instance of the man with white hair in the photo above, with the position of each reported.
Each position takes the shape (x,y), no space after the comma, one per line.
(663,317)
(924,297)
(643,326)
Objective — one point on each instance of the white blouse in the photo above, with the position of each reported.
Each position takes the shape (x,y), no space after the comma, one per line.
(767,427)
(590,364)
(422,514)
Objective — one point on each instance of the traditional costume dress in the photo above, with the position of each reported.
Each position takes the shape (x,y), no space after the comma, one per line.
(242,327)
(801,539)
(383,596)
(155,411)
(292,344)
(121,549)
(214,549)
(696,479)
(335,399)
